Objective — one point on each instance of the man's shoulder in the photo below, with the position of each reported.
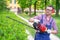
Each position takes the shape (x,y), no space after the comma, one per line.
(53,20)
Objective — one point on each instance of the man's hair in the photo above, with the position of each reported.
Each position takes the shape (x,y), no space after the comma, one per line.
(51,6)
(53,10)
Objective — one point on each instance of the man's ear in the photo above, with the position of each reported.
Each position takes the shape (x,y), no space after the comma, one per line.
(53,11)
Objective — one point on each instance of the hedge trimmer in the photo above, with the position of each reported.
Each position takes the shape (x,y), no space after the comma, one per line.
(19,21)
(36,26)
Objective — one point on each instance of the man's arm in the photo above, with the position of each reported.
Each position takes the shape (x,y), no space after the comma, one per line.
(35,19)
(55,30)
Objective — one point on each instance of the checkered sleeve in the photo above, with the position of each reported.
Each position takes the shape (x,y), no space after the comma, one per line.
(38,17)
(54,25)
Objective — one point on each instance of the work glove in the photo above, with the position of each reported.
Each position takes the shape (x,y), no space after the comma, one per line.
(35,23)
(35,26)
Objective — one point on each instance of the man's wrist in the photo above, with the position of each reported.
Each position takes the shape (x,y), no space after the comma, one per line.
(36,20)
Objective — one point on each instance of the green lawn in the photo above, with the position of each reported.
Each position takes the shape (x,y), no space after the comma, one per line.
(33,32)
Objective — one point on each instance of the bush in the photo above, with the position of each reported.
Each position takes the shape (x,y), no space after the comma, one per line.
(11,30)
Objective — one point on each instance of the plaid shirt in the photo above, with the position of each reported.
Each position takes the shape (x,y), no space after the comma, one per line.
(54,26)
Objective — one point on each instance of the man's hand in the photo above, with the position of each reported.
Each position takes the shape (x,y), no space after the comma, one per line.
(31,20)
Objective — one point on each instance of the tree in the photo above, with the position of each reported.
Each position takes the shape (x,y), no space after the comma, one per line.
(3,5)
(45,3)
(57,7)
(30,7)
(22,4)
(25,4)
(35,8)
(32,2)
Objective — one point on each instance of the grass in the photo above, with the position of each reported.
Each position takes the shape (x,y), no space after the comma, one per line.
(33,32)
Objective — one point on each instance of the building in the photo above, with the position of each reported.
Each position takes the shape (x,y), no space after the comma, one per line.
(12,3)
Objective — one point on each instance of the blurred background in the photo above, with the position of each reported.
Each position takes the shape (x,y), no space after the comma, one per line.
(12,30)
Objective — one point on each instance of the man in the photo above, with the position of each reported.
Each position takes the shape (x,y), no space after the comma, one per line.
(44,30)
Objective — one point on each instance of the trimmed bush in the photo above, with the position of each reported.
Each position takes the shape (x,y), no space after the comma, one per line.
(9,29)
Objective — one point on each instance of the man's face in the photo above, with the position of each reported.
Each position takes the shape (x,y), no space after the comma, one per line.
(49,10)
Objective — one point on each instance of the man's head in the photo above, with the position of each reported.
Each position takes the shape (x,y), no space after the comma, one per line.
(49,10)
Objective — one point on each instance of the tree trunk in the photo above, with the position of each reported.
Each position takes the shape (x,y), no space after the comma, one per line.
(57,7)
(30,8)
(45,3)
(35,8)
(22,10)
